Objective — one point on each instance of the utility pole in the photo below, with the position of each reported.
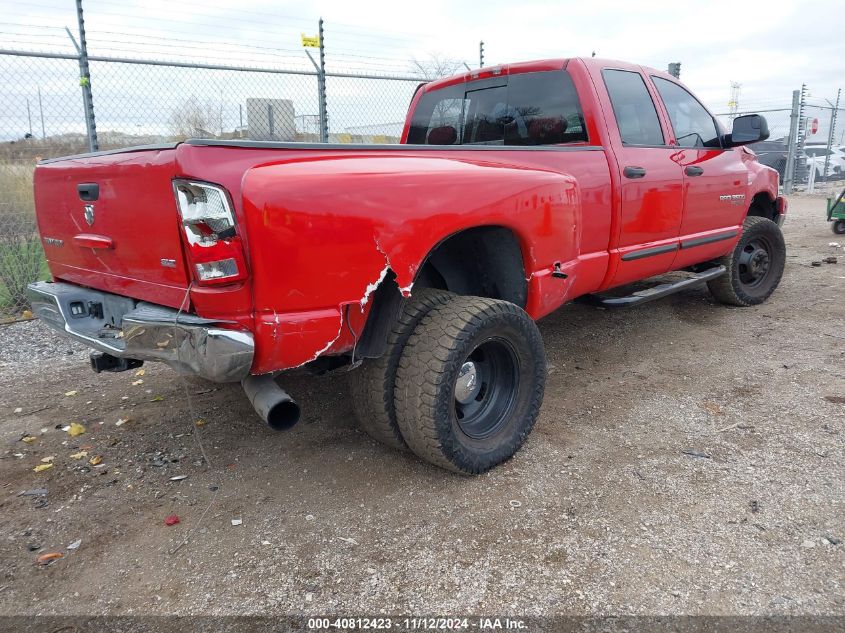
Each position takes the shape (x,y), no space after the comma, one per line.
(481,54)
(29,117)
(41,111)
(830,133)
(221,114)
(85,79)
(733,103)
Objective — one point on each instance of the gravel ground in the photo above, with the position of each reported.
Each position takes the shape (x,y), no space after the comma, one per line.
(688,460)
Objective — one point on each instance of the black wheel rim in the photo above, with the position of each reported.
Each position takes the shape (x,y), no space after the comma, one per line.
(485,388)
(755,262)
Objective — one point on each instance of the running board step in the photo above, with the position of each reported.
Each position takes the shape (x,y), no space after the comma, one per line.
(655,292)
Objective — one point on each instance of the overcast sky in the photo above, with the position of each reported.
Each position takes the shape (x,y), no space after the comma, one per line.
(770,48)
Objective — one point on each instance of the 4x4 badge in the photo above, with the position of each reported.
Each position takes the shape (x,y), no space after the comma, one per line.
(89,214)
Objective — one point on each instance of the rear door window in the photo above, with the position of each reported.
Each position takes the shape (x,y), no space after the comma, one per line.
(547,110)
(523,109)
(633,108)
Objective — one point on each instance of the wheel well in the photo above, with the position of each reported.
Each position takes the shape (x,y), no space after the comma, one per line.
(763,206)
(485,261)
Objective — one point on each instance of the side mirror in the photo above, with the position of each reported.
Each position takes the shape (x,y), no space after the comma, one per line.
(748,128)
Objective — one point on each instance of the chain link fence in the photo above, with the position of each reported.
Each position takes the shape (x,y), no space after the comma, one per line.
(143,102)
(806,142)
(138,102)
(774,151)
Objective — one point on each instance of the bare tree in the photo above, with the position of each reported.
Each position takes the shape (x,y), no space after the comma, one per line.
(435,66)
(196,119)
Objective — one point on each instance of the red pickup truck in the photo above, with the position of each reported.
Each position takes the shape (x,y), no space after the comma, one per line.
(421,267)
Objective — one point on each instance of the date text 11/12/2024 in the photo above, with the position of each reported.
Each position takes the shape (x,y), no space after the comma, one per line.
(416,624)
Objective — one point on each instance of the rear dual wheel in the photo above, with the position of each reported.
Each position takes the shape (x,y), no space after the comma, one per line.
(461,384)
(373,383)
(470,384)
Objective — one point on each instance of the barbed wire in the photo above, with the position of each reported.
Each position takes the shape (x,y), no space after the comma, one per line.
(209,71)
(132,43)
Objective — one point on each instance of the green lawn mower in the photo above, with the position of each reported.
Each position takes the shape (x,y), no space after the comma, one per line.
(836,213)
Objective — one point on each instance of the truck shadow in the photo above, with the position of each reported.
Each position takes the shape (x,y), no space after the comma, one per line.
(586,347)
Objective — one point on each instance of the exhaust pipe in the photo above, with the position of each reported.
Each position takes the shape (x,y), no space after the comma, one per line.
(271,402)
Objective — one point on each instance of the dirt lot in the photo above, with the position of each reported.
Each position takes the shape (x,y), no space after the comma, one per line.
(688,459)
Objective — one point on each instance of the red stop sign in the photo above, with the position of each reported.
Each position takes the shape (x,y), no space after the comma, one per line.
(814,126)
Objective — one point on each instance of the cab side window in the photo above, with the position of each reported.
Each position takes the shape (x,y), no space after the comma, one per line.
(546,110)
(633,108)
(693,125)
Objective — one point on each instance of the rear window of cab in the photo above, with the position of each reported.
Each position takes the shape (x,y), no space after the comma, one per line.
(540,108)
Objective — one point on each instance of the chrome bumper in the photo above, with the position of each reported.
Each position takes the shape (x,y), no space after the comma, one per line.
(144,331)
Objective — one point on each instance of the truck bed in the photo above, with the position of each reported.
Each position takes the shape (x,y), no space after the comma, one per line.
(321,225)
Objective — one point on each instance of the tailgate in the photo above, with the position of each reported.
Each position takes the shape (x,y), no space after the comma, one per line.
(110,222)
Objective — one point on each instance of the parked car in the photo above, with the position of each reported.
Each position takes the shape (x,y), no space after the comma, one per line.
(420,267)
(772,153)
(816,154)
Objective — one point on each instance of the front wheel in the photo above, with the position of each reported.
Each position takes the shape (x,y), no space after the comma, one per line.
(755,267)
(470,384)
(839,227)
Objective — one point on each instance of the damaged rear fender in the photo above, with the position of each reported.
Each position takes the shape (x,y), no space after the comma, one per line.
(326,235)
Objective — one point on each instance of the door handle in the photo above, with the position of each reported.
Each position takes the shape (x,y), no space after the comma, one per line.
(88,240)
(692,170)
(633,172)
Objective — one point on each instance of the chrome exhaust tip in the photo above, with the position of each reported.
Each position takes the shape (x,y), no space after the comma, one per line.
(272,403)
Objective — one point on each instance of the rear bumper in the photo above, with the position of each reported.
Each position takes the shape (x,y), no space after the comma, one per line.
(126,328)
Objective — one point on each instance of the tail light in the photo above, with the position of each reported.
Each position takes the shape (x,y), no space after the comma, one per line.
(215,251)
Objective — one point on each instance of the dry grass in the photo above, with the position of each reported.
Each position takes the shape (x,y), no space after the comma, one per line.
(21,255)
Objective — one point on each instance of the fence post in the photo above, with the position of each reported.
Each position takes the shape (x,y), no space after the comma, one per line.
(830,133)
(85,82)
(789,171)
(321,86)
(801,169)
